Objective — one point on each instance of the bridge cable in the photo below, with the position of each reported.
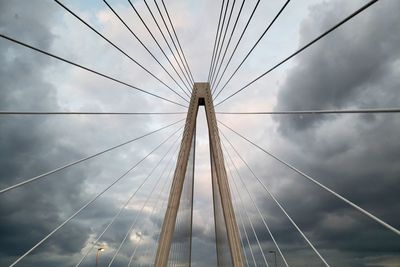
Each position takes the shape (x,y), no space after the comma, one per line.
(163,205)
(158,200)
(236,46)
(314,112)
(251,198)
(134,252)
(90,201)
(118,48)
(138,216)
(291,220)
(94,243)
(83,159)
(223,41)
(244,230)
(145,47)
(189,85)
(172,254)
(159,46)
(228,44)
(85,113)
(254,46)
(176,36)
(244,252)
(219,39)
(368,214)
(173,248)
(215,40)
(133,225)
(370,3)
(179,62)
(88,69)
(243,209)
(178,227)
(151,214)
(176,244)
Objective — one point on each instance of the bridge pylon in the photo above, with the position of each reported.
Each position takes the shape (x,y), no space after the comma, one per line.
(223,208)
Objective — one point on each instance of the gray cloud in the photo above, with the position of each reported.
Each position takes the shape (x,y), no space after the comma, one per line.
(349,68)
(357,155)
(33,145)
(28,213)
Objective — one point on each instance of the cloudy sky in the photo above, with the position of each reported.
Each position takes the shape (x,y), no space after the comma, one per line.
(357,66)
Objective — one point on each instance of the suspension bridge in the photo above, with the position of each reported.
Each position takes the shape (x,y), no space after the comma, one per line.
(238,240)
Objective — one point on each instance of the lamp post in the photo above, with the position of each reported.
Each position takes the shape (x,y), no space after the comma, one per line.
(97,255)
(274,252)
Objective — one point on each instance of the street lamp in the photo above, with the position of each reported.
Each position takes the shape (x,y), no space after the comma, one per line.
(97,255)
(274,252)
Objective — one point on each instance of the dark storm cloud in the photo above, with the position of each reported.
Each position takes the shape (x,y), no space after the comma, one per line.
(356,155)
(27,214)
(352,67)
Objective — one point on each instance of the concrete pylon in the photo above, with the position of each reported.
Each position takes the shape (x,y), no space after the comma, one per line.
(201,95)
